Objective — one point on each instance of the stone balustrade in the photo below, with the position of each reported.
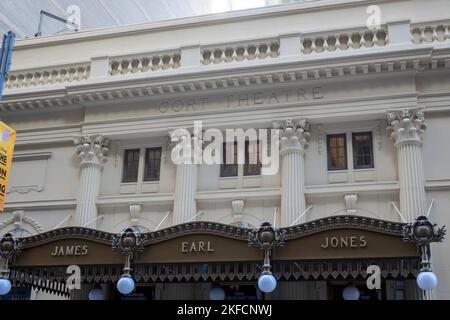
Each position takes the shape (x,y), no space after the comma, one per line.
(240,52)
(344,41)
(428,33)
(48,76)
(145,63)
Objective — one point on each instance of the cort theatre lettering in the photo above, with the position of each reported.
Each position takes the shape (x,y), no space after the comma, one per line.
(344,242)
(69,251)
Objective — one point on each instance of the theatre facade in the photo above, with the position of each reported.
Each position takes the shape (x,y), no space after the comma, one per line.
(362,112)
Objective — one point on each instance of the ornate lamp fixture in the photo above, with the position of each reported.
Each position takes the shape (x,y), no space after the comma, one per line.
(266,238)
(423,233)
(128,242)
(9,248)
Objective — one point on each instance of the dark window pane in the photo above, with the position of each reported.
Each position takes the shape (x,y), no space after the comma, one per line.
(252,165)
(337,151)
(362,150)
(152,164)
(130,165)
(229,168)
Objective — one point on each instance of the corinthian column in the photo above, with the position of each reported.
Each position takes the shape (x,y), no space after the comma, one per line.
(293,141)
(407,128)
(92,151)
(185,146)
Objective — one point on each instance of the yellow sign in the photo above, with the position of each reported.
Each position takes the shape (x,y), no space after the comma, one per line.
(7,140)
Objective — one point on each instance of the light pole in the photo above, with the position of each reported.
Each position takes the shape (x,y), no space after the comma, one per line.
(266,238)
(423,233)
(128,242)
(9,248)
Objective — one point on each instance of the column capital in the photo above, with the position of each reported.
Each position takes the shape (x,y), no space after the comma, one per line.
(293,134)
(407,125)
(92,150)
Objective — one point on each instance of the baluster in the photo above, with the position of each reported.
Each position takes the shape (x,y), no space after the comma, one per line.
(156,63)
(45,77)
(417,36)
(331,43)
(274,49)
(134,65)
(166,62)
(229,54)
(319,44)
(145,64)
(440,33)
(251,52)
(240,53)
(343,42)
(114,68)
(217,55)
(176,58)
(368,39)
(262,51)
(206,57)
(428,34)
(356,40)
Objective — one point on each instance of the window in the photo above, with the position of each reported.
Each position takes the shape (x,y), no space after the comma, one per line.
(152,164)
(337,151)
(131,165)
(362,150)
(229,170)
(252,165)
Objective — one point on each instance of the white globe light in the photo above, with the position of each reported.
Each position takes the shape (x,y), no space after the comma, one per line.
(5,286)
(267,283)
(96,294)
(350,293)
(217,294)
(125,285)
(427,280)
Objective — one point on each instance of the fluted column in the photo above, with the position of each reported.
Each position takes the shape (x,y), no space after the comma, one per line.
(92,151)
(293,141)
(185,206)
(407,128)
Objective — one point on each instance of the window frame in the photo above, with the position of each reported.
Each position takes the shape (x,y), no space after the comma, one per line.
(354,155)
(146,152)
(224,165)
(258,163)
(124,167)
(329,137)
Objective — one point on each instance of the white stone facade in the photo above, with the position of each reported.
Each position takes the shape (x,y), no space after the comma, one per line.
(314,66)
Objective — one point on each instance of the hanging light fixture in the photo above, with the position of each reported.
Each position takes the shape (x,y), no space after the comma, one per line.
(217,293)
(128,242)
(423,233)
(266,238)
(9,248)
(351,293)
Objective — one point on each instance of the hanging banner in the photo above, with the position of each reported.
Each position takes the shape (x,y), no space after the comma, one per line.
(7,140)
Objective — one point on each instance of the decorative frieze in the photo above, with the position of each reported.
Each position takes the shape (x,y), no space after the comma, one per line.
(145,63)
(427,33)
(48,76)
(241,52)
(344,41)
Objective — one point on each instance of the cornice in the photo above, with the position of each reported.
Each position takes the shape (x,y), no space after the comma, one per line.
(213,228)
(191,22)
(244,75)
